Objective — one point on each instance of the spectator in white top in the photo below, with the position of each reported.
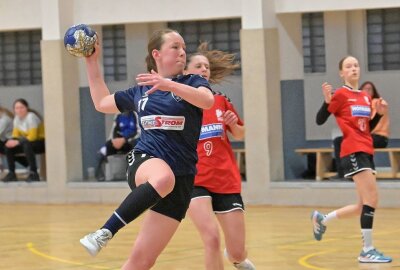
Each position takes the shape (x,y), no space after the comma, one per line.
(27,138)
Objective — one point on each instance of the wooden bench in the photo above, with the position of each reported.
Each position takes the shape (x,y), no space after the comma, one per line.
(394,158)
(324,158)
(323,167)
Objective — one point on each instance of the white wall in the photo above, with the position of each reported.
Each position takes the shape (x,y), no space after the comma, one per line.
(291,44)
(132,11)
(20,14)
(24,14)
(296,6)
(32,94)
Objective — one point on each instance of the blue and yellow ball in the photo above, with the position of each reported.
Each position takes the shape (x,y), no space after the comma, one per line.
(79,40)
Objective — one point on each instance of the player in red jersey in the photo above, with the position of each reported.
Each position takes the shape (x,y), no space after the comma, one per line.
(218,181)
(352,110)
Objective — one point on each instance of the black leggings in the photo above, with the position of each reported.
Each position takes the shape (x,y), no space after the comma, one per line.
(2,147)
(29,149)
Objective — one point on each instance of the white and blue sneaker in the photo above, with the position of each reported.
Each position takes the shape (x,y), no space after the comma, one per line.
(373,256)
(318,228)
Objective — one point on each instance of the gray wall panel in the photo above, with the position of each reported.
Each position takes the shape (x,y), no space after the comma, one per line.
(92,130)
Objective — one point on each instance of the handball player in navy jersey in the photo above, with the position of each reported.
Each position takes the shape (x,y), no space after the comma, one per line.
(162,166)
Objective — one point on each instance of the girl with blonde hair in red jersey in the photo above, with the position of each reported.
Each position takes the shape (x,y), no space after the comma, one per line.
(218,181)
(352,109)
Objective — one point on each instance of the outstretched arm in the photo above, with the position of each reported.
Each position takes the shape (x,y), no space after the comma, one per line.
(200,97)
(103,101)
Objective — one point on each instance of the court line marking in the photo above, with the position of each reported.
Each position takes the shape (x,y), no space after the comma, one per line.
(32,249)
(313,242)
(307,243)
(303,260)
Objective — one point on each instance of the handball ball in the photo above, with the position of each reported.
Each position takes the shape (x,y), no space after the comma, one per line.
(79,40)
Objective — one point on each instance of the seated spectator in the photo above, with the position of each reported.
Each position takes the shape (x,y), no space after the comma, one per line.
(125,134)
(380,134)
(27,138)
(6,118)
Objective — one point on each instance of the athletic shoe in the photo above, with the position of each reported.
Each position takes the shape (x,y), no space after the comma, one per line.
(373,256)
(10,177)
(33,176)
(93,242)
(245,265)
(318,228)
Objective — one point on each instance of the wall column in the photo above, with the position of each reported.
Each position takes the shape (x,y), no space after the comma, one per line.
(61,100)
(261,98)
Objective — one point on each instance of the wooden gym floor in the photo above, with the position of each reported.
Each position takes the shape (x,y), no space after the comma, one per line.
(46,237)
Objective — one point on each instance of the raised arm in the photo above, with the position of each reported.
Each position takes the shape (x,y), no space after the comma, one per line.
(103,101)
(323,113)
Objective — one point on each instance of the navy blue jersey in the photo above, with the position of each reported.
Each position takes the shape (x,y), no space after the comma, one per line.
(170,125)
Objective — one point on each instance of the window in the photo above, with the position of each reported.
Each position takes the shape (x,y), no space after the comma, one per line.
(383,39)
(313,42)
(20,58)
(114,53)
(221,34)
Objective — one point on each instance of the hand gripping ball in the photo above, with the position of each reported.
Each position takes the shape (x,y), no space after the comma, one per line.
(79,40)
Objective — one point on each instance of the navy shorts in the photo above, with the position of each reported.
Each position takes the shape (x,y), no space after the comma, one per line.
(176,203)
(357,162)
(221,202)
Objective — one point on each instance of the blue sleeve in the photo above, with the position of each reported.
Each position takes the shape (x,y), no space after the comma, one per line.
(125,100)
(197,81)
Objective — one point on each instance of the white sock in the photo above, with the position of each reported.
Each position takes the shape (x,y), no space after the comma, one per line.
(103,151)
(329,217)
(367,239)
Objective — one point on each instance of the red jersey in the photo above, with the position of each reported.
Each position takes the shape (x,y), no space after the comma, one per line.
(352,109)
(217,170)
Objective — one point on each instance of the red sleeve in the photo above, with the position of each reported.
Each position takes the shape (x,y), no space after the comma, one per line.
(336,103)
(229,106)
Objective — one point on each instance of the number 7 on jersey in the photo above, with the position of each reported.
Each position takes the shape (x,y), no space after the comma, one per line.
(142,103)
